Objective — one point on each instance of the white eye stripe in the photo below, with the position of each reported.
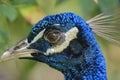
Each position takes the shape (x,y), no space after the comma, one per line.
(38,36)
(69,36)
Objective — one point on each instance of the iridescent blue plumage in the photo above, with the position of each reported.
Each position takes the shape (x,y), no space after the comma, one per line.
(82,59)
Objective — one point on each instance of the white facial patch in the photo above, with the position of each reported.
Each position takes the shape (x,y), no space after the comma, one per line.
(69,36)
(38,36)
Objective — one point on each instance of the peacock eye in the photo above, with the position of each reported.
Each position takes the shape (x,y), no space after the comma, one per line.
(54,36)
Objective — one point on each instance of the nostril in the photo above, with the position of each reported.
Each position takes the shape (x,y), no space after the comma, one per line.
(20,45)
(16,47)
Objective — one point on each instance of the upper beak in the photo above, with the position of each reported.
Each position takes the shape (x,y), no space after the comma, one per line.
(18,50)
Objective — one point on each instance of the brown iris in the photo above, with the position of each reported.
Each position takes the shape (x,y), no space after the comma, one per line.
(53,36)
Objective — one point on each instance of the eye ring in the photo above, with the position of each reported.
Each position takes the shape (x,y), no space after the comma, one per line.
(54,36)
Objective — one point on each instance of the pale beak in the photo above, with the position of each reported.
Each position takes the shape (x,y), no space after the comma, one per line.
(19,50)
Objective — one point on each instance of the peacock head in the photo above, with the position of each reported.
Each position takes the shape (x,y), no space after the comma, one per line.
(61,41)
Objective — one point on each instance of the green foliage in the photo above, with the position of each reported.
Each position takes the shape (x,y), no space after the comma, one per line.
(8,11)
(3,40)
(47,6)
(108,5)
(22,2)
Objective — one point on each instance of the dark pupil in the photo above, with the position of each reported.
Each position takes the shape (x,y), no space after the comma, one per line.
(53,36)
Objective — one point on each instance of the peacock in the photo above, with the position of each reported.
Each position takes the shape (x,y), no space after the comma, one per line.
(67,43)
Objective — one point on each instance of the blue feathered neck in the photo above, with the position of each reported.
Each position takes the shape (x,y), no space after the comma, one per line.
(92,64)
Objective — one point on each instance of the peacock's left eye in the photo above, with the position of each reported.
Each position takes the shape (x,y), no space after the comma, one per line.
(54,36)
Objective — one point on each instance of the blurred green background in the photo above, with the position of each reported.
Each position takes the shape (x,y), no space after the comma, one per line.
(18,16)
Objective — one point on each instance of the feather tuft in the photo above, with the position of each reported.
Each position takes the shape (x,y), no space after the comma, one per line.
(106,26)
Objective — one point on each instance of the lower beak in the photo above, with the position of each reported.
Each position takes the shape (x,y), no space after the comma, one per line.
(19,50)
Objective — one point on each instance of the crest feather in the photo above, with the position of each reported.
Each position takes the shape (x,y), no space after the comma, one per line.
(106,26)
